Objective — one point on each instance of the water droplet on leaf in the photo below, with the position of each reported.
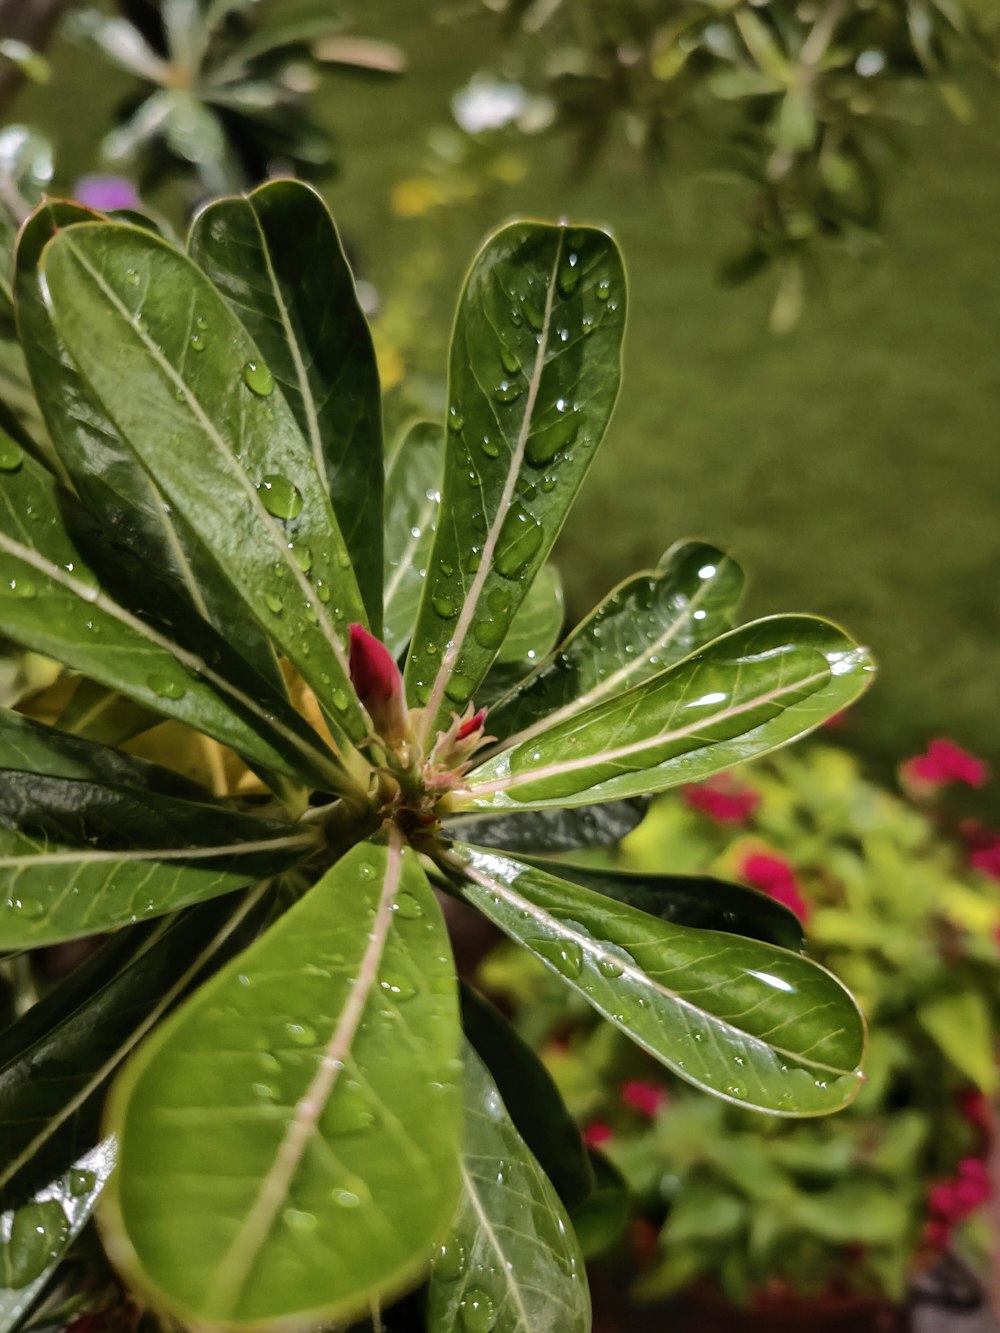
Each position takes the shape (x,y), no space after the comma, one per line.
(258,378)
(280,497)
(11,455)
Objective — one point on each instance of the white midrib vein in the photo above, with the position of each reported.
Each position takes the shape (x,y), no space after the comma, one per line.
(118,1055)
(228,461)
(647,743)
(190,661)
(592,947)
(236,1264)
(156,854)
(604,687)
(451,654)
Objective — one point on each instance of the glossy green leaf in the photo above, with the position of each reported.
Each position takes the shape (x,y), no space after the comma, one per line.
(756,1025)
(288,1138)
(535,365)
(691,900)
(109,480)
(52,602)
(536,626)
(57,1058)
(549,831)
(531,1097)
(645,625)
(412,499)
(191,394)
(79,858)
(740,696)
(34,1237)
(511,1263)
(104,715)
(276,257)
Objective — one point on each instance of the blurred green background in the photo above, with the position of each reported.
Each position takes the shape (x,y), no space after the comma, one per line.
(852,465)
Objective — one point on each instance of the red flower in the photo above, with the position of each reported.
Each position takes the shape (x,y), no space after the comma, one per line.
(775,877)
(597,1133)
(942,763)
(376,679)
(950,1201)
(723,798)
(984,846)
(974,1109)
(646,1098)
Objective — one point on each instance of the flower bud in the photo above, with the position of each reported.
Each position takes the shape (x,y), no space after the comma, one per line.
(379,685)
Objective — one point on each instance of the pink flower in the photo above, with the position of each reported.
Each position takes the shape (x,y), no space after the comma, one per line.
(974,1108)
(723,798)
(379,685)
(950,1201)
(646,1098)
(107,194)
(597,1133)
(775,877)
(943,763)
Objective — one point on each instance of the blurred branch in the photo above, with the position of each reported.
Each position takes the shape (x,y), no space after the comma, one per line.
(32,22)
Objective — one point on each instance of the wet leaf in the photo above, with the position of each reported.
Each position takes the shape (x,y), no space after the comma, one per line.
(549,831)
(412,499)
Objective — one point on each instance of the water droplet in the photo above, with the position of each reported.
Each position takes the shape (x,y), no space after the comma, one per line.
(165,688)
(269,1062)
(478,1312)
(197,342)
(38,1233)
(459,688)
(201,323)
(301,1034)
(303,557)
(274,604)
(11,455)
(345,1198)
(444,607)
(407,907)
(566,956)
(535,316)
(264,1091)
(450,1260)
(297,1220)
(520,538)
(610,968)
(366,870)
(400,988)
(507,391)
(258,378)
(510,361)
(280,497)
(21,587)
(568,277)
(474,560)
(490,633)
(340,700)
(490,448)
(131,277)
(347,1113)
(603,290)
(455,419)
(544,444)
(80,1182)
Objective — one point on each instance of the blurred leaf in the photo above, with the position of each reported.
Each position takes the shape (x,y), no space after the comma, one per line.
(601,1218)
(961,1024)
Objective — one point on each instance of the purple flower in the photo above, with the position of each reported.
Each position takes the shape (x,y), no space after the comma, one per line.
(106,194)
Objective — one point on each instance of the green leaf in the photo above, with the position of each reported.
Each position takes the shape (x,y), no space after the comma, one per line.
(276,257)
(79,858)
(550,831)
(961,1024)
(118,41)
(756,1025)
(531,1097)
(511,1263)
(104,715)
(535,366)
(288,1138)
(190,393)
(110,482)
(740,696)
(56,1059)
(691,900)
(645,625)
(35,1236)
(53,603)
(412,499)
(536,626)
(602,1217)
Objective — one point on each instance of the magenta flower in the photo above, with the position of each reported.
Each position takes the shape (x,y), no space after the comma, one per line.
(379,685)
(941,764)
(723,798)
(646,1098)
(597,1133)
(775,877)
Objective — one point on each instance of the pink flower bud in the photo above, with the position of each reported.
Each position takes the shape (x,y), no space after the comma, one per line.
(475,723)
(379,685)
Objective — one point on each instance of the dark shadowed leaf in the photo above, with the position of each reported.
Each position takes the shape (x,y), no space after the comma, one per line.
(511,1263)
(412,499)
(645,625)
(603,1216)
(740,696)
(757,1025)
(194,399)
(531,1097)
(282,1160)
(550,831)
(276,257)
(535,363)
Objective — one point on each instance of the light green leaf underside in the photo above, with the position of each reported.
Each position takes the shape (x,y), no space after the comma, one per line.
(189,392)
(643,626)
(35,1237)
(534,372)
(412,500)
(752,1023)
(276,257)
(52,602)
(109,480)
(511,1254)
(288,1138)
(740,696)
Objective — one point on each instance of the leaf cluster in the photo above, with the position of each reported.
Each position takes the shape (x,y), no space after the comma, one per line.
(237,784)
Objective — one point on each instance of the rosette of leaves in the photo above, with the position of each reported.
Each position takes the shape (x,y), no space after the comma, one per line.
(307,1127)
(227,84)
(804,100)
